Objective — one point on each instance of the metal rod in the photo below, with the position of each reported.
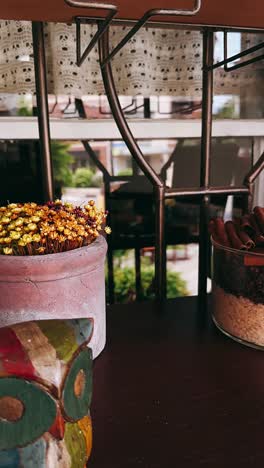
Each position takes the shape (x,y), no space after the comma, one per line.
(138,272)
(244,53)
(90,5)
(80,108)
(183,109)
(43,109)
(147,111)
(101,29)
(208,57)
(120,178)
(245,63)
(160,245)
(110,265)
(110,254)
(104,24)
(95,159)
(160,262)
(200,192)
(255,171)
(124,109)
(172,25)
(144,19)
(119,116)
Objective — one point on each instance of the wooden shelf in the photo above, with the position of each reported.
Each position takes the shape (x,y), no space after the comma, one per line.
(171,391)
(236,13)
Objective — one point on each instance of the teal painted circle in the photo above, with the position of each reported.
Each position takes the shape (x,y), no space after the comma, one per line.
(38,415)
(77,407)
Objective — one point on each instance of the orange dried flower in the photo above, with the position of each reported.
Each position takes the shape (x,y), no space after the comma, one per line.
(32,229)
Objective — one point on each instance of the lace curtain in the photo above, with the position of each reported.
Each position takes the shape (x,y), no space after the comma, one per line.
(154,62)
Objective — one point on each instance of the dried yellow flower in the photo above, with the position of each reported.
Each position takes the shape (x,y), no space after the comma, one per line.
(14,235)
(16,210)
(22,243)
(27,238)
(7,250)
(5,220)
(53,235)
(36,237)
(19,222)
(35,219)
(11,226)
(57,226)
(32,226)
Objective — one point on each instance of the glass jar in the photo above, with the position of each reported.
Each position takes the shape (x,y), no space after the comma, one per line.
(238,294)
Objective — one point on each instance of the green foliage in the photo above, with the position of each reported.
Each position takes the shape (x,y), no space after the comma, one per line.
(125,290)
(62,161)
(24,110)
(82,177)
(228,111)
(120,255)
(97,180)
(124,284)
(126,172)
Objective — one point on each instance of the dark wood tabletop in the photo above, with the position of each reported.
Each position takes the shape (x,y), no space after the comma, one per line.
(240,13)
(171,391)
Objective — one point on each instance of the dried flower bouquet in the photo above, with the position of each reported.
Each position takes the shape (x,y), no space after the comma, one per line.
(32,229)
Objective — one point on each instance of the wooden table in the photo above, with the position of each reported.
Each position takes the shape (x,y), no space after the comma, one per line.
(173,392)
(237,13)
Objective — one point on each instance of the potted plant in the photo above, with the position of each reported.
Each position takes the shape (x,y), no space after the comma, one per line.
(52,304)
(52,264)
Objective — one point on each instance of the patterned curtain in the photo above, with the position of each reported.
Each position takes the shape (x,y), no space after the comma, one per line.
(154,62)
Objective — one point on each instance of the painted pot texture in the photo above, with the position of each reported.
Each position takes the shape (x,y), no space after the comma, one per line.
(64,285)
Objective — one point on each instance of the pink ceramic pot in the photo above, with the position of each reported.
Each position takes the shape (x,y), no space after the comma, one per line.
(62,285)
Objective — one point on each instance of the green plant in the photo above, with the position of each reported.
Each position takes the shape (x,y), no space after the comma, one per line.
(61,160)
(97,180)
(120,255)
(82,177)
(125,290)
(228,111)
(126,172)
(24,110)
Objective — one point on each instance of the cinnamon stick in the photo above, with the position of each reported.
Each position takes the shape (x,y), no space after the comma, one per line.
(247,226)
(259,215)
(235,241)
(244,237)
(220,232)
(211,227)
(212,231)
(258,236)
